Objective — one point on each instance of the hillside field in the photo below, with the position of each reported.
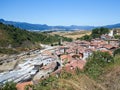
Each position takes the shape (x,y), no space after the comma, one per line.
(72,34)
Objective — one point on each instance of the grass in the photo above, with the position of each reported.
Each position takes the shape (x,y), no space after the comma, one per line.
(111,77)
(113,65)
(68,81)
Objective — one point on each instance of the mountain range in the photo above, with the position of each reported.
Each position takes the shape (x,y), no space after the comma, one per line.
(43,27)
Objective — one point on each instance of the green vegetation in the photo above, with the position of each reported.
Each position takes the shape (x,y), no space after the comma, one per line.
(96,33)
(117,52)
(56,40)
(85,37)
(66,81)
(11,37)
(97,62)
(50,83)
(47,84)
(9,86)
(8,51)
(117,60)
(117,36)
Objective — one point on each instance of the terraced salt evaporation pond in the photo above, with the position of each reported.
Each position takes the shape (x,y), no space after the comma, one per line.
(25,69)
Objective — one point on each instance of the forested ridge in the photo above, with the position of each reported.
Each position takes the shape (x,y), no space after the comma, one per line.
(12,37)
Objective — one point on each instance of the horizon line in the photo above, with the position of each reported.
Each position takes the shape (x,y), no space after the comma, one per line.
(57,25)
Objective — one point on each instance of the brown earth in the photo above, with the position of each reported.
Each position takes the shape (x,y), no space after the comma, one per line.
(81,83)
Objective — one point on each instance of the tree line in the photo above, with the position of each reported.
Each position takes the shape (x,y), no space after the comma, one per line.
(96,33)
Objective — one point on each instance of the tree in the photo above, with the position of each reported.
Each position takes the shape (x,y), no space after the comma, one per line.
(117,36)
(97,32)
(9,86)
(29,87)
(23,39)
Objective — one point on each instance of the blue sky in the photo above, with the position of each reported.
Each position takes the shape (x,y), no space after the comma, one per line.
(62,12)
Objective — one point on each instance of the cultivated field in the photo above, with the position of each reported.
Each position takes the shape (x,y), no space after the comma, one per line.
(72,34)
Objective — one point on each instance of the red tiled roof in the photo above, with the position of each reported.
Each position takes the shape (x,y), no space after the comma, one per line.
(47,52)
(75,64)
(66,57)
(110,52)
(21,86)
(108,46)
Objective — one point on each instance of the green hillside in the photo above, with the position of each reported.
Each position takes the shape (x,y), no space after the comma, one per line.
(12,37)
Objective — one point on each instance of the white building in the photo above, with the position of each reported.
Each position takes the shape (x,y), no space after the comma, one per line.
(111,33)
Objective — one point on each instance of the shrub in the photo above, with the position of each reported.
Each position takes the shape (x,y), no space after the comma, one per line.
(96,63)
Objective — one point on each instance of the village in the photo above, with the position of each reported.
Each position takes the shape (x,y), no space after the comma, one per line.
(74,54)
(52,59)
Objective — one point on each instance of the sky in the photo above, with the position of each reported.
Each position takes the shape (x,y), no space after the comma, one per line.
(62,12)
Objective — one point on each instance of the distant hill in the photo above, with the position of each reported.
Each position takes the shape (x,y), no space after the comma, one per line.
(44,27)
(27,26)
(113,26)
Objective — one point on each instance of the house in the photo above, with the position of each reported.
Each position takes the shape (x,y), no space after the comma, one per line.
(65,58)
(73,64)
(114,42)
(87,53)
(82,43)
(106,37)
(111,33)
(109,47)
